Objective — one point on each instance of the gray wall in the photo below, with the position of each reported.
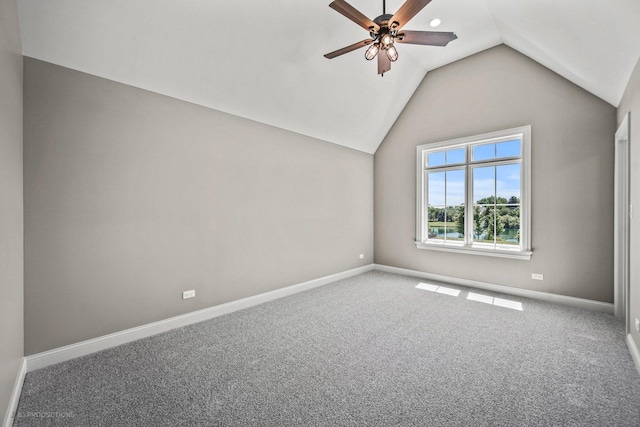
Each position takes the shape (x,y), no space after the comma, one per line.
(572,172)
(132,197)
(631,104)
(11,253)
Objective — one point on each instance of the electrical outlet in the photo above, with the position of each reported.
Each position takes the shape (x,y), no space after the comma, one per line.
(637,325)
(361,256)
(189,294)
(536,276)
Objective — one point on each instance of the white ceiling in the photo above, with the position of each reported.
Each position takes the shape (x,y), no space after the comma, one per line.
(263,60)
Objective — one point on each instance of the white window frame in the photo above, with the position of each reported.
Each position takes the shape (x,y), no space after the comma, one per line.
(523,251)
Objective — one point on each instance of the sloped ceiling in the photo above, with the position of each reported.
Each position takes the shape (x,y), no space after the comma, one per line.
(264,60)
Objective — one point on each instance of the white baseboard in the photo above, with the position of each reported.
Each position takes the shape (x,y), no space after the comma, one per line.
(543,296)
(15,394)
(57,355)
(633,349)
(83,348)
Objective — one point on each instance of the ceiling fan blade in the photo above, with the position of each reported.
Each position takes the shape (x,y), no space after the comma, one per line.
(429,38)
(408,10)
(348,49)
(384,64)
(354,14)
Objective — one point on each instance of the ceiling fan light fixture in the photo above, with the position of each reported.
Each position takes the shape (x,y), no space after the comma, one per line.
(386,41)
(435,22)
(372,51)
(392,53)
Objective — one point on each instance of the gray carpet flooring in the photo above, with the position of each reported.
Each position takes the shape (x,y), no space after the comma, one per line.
(371,350)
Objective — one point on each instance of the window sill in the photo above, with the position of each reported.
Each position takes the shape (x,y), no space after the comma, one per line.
(500,253)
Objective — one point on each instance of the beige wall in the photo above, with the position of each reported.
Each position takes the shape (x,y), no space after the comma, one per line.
(631,104)
(11,258)
(132,197)
(572,172)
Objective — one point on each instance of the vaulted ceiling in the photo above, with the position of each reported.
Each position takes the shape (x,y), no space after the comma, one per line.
(263,60)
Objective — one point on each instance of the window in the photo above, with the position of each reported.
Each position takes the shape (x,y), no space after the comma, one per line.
(474,194)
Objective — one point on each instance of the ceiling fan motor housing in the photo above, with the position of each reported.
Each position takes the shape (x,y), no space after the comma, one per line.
(383,22)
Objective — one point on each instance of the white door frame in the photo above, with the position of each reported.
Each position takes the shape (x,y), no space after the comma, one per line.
(622,212)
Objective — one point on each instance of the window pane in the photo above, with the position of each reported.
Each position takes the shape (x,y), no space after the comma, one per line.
(454,229)
(446,209)
(508,183)
(436,188)
(508,148)
(496,224)
(484,151)
(446,157)
(455,188)
(484,180)
(436,223)
(496,150)
(483,223)
(446,223)
(436,159)
(508,219)
(455,156)
(454,225)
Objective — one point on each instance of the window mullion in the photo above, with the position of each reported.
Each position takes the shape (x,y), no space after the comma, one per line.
(445,207)
(495,206)
(468,216)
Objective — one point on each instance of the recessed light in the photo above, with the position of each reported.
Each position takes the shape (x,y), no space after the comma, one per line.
(435,22)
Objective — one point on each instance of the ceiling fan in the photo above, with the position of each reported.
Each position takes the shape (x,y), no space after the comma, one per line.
(385,31)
